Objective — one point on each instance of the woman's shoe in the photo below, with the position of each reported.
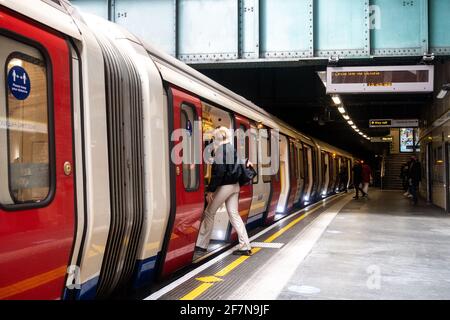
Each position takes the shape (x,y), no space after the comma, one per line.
(200,249)
(242,253)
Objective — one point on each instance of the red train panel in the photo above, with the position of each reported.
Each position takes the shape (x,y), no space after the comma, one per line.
(185,219)
(36,238)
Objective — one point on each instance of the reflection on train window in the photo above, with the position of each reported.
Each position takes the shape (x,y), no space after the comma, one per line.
(190,166)
(212,118)
(243,142)
(254,151)
(27,134)
(301,163)
(264,138)
(292,160)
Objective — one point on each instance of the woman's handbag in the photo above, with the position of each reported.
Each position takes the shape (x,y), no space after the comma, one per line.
(247,174)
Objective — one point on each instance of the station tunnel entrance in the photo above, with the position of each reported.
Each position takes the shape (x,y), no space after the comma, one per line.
(297,94)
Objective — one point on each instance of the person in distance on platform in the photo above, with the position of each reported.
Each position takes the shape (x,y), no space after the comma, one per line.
(223,188)
(415,177)
(343,178)
(404,172)
(366,177)
(357,179)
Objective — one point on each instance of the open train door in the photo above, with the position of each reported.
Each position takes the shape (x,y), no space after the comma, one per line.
(37,204)
(186,181)
(274,170)
(242,143)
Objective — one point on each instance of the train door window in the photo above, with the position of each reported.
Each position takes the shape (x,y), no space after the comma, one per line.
(296,161)
(301,163)
(24,130)
(243,142)
(190,166)
(265,154)
(292,165)
(254,151)
(212,118)
(324,166)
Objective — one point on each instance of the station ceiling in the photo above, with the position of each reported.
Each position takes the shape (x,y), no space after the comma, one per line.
(297,96)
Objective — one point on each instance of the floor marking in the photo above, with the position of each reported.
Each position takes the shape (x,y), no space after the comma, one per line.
(156,295)
(334,231)
(272,245)
(234,264)
(210,279)
(197,291)
(304,289)
(279,269)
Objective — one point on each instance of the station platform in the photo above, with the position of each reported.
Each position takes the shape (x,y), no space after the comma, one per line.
(377,248)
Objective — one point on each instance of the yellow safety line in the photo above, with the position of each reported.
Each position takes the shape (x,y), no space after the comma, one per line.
(234,264)
(290,225)
(197,291)
(227,269)
(32,282)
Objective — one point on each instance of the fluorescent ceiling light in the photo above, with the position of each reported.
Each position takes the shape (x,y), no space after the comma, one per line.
(361,133)
(336,99)
(341,110)
(443,93)
(346,117)
(350,122)
(354,127)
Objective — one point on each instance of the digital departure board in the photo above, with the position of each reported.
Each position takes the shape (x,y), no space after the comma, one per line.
(380,79)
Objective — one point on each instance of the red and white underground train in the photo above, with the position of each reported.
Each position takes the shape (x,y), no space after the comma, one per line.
(90,203)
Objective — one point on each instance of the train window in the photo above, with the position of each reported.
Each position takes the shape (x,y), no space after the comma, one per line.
(243,142)
(27,124)
(254,151)
(301,163)
(190,167)
(265,154)
(292,160)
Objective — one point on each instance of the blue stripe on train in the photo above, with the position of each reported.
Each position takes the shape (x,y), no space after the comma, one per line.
(87,291)
(144,276)
(145,272)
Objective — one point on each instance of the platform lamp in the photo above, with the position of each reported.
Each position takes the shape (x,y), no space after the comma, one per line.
(444,90)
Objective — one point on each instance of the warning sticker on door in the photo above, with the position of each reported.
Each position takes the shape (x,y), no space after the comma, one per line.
(19,83)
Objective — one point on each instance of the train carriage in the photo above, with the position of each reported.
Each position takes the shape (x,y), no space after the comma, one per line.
(94,198)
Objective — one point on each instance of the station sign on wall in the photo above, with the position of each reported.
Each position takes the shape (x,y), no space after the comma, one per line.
(382,139)
(394,123)
(382,79)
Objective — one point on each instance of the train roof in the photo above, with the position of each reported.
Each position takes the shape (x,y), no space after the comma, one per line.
(57,14)
(63,17)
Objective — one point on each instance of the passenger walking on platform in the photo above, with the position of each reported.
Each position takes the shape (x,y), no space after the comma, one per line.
(223,188)
(366,177)
(415,177)
(357,179)
(404,176)
(343,179)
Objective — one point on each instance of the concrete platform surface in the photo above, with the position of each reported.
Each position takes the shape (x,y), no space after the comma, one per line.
(380,248)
